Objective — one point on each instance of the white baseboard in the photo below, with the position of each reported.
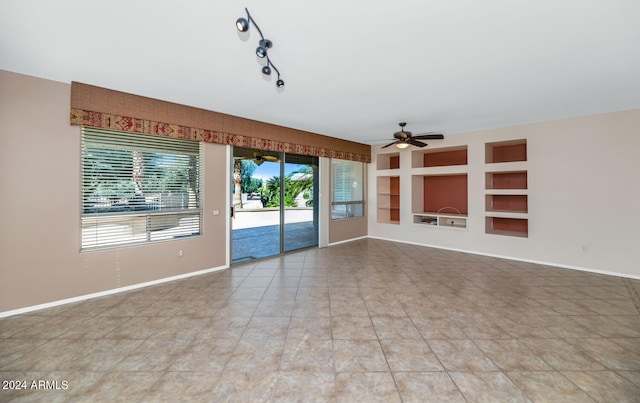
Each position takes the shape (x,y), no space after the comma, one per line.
(108,292)
(559,265)
(348,240)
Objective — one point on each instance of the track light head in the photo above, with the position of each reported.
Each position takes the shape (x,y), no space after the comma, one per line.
(279,83)
(261,50)
(242,24)
(266,70)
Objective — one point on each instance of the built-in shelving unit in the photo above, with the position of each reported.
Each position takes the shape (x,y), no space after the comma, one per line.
(388,188)
(506,189)
(439,187)
(388,192)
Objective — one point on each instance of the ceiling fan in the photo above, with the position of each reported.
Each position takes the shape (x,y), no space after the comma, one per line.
(259,158)
(404,138)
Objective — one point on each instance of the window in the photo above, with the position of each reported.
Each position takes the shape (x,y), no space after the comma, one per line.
(138,188)
(347,198)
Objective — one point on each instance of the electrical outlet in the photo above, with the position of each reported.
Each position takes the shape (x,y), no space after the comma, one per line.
(180,252)
(216,212)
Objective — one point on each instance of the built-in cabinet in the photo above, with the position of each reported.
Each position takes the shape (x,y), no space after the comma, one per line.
(506,189)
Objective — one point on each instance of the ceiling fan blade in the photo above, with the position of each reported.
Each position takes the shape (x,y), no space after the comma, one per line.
(429,136)
(415,142)
(390,144)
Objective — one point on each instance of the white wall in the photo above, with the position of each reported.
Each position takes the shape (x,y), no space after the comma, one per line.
(584,195)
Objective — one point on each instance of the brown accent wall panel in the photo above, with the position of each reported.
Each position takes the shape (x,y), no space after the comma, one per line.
(511,224)
(394,189)
(445,191)
(394,162)
(394,201)
(445,158)
(394,215)
(394,185)
(510,153)
(517,203)
(509,180)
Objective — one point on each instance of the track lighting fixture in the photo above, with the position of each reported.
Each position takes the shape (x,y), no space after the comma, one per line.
(263,46)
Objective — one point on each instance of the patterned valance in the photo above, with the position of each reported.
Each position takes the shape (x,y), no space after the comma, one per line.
(103,108)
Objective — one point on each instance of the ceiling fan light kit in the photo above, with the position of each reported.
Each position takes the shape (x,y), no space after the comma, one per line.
(404,138)
(262,51)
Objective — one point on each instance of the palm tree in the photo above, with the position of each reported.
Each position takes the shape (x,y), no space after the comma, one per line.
(242,171)
(297,182)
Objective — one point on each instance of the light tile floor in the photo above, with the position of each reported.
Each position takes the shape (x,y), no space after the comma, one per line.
(364,321)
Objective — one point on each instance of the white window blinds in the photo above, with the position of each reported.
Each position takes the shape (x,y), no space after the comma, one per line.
(347,193)
(138,188)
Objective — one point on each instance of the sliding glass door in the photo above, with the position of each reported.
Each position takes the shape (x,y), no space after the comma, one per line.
(274,203)
(300,199)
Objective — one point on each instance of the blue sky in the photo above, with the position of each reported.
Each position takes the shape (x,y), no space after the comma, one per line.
(271,169)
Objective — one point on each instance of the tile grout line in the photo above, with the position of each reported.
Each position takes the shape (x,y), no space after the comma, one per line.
(635,297)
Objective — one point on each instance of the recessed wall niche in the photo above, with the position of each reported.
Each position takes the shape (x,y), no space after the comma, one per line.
(439,157)
(388,161)
(506,189)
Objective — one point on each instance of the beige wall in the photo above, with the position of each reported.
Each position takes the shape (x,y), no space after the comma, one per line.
(344,230)
(583,195)
(352,228)
(40,260)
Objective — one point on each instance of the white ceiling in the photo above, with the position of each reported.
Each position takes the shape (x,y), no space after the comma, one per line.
(353,69)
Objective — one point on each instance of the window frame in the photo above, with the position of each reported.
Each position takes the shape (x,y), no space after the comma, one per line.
(166,175)
(352,207)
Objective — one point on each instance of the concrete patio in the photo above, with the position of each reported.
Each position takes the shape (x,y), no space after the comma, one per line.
(256,231)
